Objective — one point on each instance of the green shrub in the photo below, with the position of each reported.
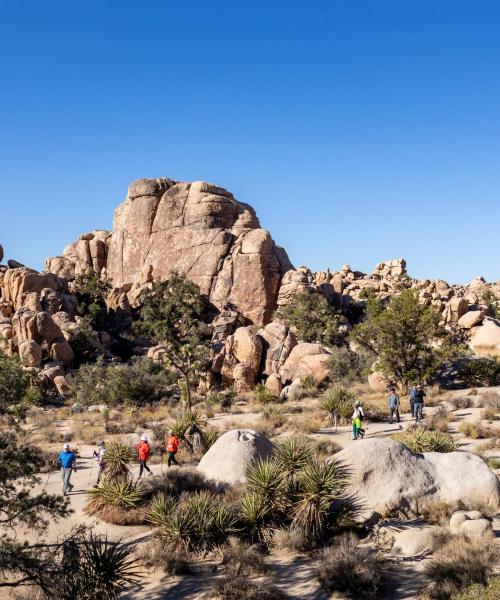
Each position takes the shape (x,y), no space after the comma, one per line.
(338,400)
(118,460)
(479,372)
(263,394)
(347,366)
(419,439)
(347,568)
(309,383)
(116,494)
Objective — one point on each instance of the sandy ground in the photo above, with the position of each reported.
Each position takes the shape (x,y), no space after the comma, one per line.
(294,574)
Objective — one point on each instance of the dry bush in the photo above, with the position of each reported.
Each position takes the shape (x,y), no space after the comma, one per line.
(325,448)
(375,413)
(289,540)
(489,445)
(241,588)
(438,513)
(491,591)
(345,567)
(176,482)
(462,402)
(173,560)
(489,414)
(475,430)
(242,559)
(439,420)
(291,408)
(491,399)
(458,564)
(121,516)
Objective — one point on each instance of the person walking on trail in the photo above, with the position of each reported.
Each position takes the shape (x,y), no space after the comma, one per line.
(411,397)
(99,455)
(356,423)
(143,452)
(173,444)
(67,460)
(394,406)
(419,403)
(361,431)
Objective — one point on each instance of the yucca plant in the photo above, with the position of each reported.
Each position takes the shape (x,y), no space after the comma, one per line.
(118,459)
(292,455)
(321,484)
(265,478)
(256,517)
(119,494)
(105,569)
(263,394)
(338,400)
(160,508)
(200,523)
(419,439)
(210,436)
(272,411)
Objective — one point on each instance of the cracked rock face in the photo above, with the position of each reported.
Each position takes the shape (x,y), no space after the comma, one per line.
(193,228)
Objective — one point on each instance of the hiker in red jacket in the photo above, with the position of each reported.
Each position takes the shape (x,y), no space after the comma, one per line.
(173,444)
(143,452)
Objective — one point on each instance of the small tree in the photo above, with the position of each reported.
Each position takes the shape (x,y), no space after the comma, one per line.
(174,313)
(405,336)
(312,318)
(17,392)
(22,507)
(91,291)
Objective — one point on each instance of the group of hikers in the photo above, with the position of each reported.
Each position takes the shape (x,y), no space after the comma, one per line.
(416,397)
(67,459)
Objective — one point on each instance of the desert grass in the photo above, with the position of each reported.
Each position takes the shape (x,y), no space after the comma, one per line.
(243,588)
(355,571)
(172,560)
(458,564)
(475,430)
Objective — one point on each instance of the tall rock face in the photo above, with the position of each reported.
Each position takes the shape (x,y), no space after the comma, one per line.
(193,228)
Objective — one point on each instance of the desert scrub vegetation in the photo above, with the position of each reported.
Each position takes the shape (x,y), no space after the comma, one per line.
(229,587)
(239,558)
(419,439)
(172,560)
(476,591)
(338,401)
(489,414)
(140,381)
(459,564)
(355,571)
(439,420)
(347,367)
(293,489)
(224,399)
(462,402)
(479,372)
(475,430)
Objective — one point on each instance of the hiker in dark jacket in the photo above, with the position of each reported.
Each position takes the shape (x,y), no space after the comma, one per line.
(67,460)
(411,397)
(419,403)
(393,406)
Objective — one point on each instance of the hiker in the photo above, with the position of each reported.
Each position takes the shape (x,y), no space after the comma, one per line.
(356,422)
(67,460)
(99,455)
(419,403)
(411,397)
(143,452)
(361,431)
(173,444)
(394,406)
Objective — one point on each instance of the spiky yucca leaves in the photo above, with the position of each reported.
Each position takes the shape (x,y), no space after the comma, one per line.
(292,455)
(338,400)
(265,478)
(119,494)
(104,570)
(419,439)
(118,459)
(200,523)
(257,517)
(321,484)
(160,508)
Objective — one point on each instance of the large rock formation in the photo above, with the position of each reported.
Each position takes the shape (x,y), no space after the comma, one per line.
(193,228)
(226,460)
(386,476)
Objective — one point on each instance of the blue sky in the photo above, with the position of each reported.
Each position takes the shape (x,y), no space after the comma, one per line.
(359,130)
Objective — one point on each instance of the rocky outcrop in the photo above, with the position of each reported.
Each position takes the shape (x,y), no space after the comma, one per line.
(197,229)
(486,339)
(416,480)
(306,359)
(227,459)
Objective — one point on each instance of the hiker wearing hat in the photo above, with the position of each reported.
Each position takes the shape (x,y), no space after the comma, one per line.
(67,460)
(143,452)
(99,455)
(173,444)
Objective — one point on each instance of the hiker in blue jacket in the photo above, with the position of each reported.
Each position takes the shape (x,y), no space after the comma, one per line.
(67,459)
(393,406)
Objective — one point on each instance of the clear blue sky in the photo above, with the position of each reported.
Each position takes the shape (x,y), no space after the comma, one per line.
(359,130)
